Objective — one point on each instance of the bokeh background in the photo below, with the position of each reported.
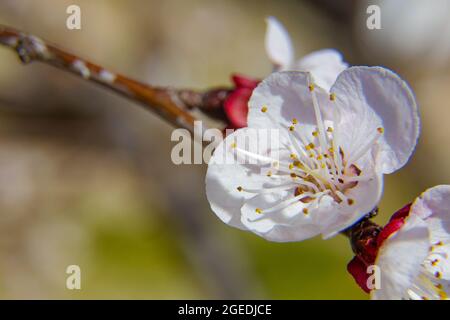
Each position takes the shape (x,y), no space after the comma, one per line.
(86,176)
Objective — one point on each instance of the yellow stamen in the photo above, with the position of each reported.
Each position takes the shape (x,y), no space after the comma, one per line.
(310,146)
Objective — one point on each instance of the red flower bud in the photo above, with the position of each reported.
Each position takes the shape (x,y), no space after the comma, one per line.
(236,104)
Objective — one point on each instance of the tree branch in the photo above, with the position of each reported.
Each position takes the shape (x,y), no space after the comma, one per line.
(170,104)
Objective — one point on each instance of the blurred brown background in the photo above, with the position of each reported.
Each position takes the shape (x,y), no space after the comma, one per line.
(86,176)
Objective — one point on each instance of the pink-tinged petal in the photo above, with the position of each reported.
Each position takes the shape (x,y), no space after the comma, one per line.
(278,44)
(402,213)
(373,97)
(241,81)
(396,222)
(393,226)
(358,270)
(236,107)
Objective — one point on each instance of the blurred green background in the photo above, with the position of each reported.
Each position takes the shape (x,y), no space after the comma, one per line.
(86,176)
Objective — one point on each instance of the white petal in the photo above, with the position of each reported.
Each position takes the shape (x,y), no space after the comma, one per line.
(286,96)
(285,223)
(433,206)
(434,202)
(377,96)
(225,175)
(400,259)
(278,43)
(325,65)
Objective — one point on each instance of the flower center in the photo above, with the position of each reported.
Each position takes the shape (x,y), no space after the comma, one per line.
(317,164)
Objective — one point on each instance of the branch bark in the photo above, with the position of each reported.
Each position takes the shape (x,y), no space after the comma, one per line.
(170,104)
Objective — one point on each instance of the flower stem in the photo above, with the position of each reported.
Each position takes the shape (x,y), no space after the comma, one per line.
(363,237)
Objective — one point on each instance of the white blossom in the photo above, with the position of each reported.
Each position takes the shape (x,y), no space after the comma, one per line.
(333,150)
(414,261)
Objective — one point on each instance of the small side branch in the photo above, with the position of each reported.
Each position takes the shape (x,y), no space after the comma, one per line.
(170,104)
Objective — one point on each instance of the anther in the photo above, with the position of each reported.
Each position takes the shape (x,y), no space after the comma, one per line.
(310,146)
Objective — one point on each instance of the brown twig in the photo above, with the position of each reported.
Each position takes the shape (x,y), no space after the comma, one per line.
(170,104)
